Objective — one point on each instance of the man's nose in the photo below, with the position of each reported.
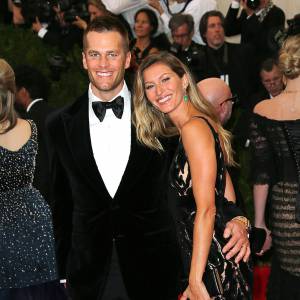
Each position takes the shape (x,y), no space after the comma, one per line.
(103,61)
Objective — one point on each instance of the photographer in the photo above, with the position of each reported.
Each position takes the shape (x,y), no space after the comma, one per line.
(52,21)
(60,30)
(256,22)
(183,47)
(96,8)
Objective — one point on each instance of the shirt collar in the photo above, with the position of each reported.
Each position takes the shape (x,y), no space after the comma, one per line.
(125,93)
(32,103)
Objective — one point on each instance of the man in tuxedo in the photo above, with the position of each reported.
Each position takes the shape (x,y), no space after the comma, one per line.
(114,231)
(233,63)
(31,100)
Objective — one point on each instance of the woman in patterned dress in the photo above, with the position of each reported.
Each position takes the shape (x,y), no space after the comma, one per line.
(275,136)
(167,102)
(27,259)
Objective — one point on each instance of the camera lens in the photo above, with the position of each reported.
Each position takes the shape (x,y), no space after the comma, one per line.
(253,4)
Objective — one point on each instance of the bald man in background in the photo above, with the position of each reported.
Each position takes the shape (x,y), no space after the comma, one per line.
(218,93)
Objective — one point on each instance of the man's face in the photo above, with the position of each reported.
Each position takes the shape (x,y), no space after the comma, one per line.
(105,60)
(272,81)
(215,36)
(182,36)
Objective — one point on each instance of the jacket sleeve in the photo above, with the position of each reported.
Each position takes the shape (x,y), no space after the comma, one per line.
(61,202)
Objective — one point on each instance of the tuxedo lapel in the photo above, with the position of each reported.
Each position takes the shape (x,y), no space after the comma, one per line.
(77,130)
(139,159)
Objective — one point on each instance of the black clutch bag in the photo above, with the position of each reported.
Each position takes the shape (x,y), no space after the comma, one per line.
(212,281)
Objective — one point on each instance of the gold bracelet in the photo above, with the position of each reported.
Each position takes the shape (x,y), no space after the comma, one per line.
(244,221)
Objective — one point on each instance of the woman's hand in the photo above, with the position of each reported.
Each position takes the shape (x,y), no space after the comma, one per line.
(267,244)
(195,292)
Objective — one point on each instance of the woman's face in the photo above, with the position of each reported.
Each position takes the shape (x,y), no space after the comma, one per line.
(142,26)
(163,87)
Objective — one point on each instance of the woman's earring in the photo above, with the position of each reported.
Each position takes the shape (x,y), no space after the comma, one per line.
(185,98)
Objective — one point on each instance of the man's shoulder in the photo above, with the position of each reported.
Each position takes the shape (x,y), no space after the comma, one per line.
(276,9)
(68,110)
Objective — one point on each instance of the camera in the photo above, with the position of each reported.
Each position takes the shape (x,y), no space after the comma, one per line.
(73,8)
(76,10)
(36,8)
(43,9)
(253,4)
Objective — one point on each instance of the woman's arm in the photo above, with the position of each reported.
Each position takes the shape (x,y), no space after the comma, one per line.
(199,145)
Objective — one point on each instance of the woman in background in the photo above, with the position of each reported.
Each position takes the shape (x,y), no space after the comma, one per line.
(27,259)
(145,26)
(167,102)
(275,136)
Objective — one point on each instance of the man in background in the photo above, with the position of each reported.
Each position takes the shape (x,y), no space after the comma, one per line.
(272,82)
(31,97)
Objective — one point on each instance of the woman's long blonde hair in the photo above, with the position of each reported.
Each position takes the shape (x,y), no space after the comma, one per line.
(7,96)
(151,124)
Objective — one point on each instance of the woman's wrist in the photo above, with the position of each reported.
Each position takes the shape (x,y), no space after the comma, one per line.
(243,220)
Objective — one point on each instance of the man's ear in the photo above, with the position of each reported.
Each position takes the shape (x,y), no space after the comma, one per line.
(84,60)
(127,60)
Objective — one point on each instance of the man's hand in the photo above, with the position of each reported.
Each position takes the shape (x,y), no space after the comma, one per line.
(80,23)
(238,243)
(155,4)
(248,10)
(36,26)
(18,18)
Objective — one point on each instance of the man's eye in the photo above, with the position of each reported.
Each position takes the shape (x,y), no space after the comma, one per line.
(165,79)
(112,54)
(93,54)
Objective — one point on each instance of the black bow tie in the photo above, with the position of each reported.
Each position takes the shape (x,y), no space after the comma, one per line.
(117,105)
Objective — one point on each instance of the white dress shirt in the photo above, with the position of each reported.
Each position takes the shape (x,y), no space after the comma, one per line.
(111,141)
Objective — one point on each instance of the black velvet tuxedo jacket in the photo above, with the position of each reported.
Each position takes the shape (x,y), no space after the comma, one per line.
(88,221)
(254,32)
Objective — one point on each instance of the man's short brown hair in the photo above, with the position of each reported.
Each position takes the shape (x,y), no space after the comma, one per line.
(106,24)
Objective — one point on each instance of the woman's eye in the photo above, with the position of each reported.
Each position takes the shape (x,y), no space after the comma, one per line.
(165,79)
(149,86)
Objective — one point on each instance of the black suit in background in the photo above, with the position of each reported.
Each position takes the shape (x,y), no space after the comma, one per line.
(262,94)
(237,61)
(38,113)
(89,224)
(253,31)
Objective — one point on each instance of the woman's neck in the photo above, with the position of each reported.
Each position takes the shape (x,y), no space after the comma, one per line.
(183,114)
(293,85)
